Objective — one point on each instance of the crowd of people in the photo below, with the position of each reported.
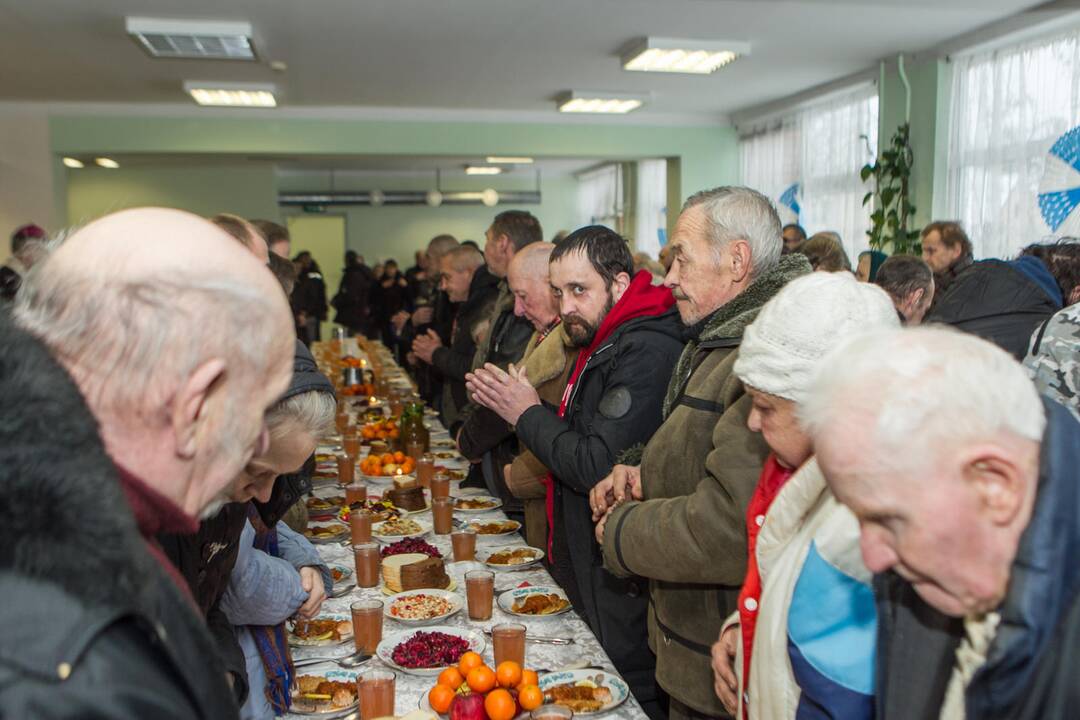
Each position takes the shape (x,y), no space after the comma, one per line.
(775,483)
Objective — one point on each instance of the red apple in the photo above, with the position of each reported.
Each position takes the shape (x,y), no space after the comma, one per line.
(468,707)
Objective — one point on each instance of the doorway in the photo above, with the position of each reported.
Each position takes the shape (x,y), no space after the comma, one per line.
(324,237)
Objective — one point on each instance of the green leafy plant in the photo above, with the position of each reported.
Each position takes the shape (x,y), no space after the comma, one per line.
(890,198)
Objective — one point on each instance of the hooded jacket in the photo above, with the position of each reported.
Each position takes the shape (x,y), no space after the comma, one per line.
(93,626)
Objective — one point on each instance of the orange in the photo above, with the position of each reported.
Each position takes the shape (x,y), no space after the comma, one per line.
(508,673)
(399,457)
(451,676)
(468,661)
(387,458)
(529,677)
(530,697)
(440,698)
(500,705)
(481,679)
(393,433)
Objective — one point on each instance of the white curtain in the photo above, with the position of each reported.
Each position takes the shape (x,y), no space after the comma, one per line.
(651,208)
(599,197)
(808,163)
(1013,165)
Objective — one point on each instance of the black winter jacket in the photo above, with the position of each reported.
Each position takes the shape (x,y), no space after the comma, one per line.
(93,627)
(353,299)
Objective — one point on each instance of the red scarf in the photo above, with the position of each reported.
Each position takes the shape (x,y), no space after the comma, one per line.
(641,299)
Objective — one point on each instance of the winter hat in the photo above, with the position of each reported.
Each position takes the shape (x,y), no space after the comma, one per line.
(306,376)
(802,322)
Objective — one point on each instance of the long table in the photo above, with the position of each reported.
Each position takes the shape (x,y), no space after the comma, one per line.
(411,692)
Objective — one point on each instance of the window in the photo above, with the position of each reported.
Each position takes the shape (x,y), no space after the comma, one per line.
(651,207)
(808,163)
(1012,166)
(600,197)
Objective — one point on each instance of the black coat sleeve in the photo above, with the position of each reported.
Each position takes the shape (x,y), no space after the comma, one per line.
(229,650)
(481,432)
(452,364)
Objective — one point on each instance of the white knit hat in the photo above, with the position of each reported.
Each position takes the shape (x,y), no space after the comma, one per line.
(806,319)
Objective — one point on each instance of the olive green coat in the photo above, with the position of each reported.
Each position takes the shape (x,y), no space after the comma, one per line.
(698,472)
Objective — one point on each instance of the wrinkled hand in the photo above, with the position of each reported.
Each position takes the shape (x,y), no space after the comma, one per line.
(624,483)
(508,394)
(410,358)
(725,681)
(599,531)
(399,319)
(423,315)
(311,581)
(506,474)
(424,346)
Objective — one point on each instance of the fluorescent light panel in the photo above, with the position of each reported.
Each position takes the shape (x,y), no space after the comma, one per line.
(106,163)
(231,94)
(74,163)
(202,40)
(699,57)
(582,101)
(482,170)
(509,160)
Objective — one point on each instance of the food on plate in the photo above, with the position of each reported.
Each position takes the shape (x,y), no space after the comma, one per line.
(338,573)
(387,464)
(517,556)
(445,455)
(481,503)
(399,526)
(330,503)
(380,510)
(315,693)
(429,650)
(323,532)
(414,571)
(411,545)
(407,498)
(500,527)
(540,604)
(420,607)
(322,630)
(583,696)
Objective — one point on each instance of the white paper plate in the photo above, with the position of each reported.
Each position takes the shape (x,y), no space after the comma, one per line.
(456,603)
(601,678)
(507,600)
(386,647)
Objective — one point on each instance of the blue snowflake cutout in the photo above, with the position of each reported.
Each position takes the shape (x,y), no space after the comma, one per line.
(790,198)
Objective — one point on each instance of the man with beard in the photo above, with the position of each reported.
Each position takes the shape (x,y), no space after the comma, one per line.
(628,336)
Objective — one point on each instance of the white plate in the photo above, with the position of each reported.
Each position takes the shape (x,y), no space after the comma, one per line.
(618,688)
(496,503)
(449,588)
(507,600)
(297,642)
(383,479)
(346,572)
(386,647)
(484,555)
(425,528)
(334,675)
(499,539)
(328,539)
(456,603)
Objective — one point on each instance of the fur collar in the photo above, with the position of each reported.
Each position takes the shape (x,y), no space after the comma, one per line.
(730,320)
(546,361)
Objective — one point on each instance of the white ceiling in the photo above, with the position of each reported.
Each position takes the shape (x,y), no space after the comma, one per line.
(476,55)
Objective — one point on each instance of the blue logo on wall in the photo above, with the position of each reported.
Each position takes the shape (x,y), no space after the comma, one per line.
(790,199)
(1059,191)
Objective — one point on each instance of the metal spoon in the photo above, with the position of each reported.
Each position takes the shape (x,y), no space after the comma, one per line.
(349,661)
(342,591)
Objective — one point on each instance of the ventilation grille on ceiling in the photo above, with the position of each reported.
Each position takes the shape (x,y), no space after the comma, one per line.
(210,40)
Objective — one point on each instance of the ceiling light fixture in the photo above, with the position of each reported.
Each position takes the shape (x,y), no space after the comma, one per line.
(699,57)
(106,163)
(202,40)
(73,163)
(509,160)
(222,94)
(482,170)
(581,101)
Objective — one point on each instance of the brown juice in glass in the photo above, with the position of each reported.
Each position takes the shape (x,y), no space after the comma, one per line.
(355,493)
(346,469)
(464,543)
(360,524)
(351,444)
(368,559)
(509,643)
(440,485)
(367,616)
(341,420)
(442,513)
(375,689)
(480,592)
(425,469)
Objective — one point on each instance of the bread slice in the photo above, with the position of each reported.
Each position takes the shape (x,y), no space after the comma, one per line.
(391,568)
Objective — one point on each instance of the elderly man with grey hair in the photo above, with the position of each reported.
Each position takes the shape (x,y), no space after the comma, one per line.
(964,482)
(674,512)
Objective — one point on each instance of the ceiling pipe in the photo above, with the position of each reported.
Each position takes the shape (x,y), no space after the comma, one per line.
(406,197)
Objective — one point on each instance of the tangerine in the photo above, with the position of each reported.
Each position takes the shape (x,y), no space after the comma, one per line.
(481,679)
(399,457)
(500,705)
(530,697)
(529,677)
(440,698)
(468,661)
(387,458)
(451,676)
(508,674)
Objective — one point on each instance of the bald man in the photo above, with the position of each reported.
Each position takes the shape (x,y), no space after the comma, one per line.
(179,340)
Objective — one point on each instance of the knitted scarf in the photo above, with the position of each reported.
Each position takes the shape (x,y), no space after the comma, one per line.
(270,639)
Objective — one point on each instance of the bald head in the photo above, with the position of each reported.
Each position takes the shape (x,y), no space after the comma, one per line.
(178,338)
(528,279)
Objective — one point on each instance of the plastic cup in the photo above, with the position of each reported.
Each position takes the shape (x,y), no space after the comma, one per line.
(464,544)
(367,620)
(355,493)
(425,468)
(442,513)
(346,469)
(480,593)
(440,485)
(508,641)
(360,524)
(368,558)
(376,689)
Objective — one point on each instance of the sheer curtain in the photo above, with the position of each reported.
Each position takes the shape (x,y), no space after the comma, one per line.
(808,163)
(599,194)
(1006,165)
(651,211)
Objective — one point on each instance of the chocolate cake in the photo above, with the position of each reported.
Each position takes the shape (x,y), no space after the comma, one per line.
(407,498)
(427,573)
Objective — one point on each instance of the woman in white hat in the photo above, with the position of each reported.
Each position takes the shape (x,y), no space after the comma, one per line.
(803,638)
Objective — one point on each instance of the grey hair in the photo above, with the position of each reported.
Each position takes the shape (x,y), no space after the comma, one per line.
(733,212)
(129,344)
(921,390)
(440,245)
(312,412)
(464,257)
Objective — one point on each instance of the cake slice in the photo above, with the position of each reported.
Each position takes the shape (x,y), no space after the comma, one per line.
(427,573)
(391,569)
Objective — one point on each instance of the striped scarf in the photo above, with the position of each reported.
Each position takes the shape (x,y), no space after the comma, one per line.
(270,640)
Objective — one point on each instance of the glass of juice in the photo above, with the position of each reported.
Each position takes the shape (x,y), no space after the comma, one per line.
(351,444)
(442,512)
(341,420)
(552,712)
(375,688)
(346,469)
(355,492)
(425,468)
(368,558)
(440,485)
(480,592)
(508,640)
(464,543)
(367,624)
(360,524)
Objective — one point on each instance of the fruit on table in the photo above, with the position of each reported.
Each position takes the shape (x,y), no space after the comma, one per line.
(480,679)
(451,676)
(441,697)
(387,464)
(529,677)
(508,674)
(468,707)
(500,705)
(468,661)
(530,697)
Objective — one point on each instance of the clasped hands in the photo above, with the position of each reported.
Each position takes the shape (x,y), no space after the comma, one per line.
(507,393)
(424,346)
(624,483)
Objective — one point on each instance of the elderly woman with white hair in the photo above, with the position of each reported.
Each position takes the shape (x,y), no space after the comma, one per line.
(803,637)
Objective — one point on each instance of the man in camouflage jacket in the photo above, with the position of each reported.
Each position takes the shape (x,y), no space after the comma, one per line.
(1053,361)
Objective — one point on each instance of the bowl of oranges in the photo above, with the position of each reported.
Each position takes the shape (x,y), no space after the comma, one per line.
(386,466)
(473,691)
(385,429)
